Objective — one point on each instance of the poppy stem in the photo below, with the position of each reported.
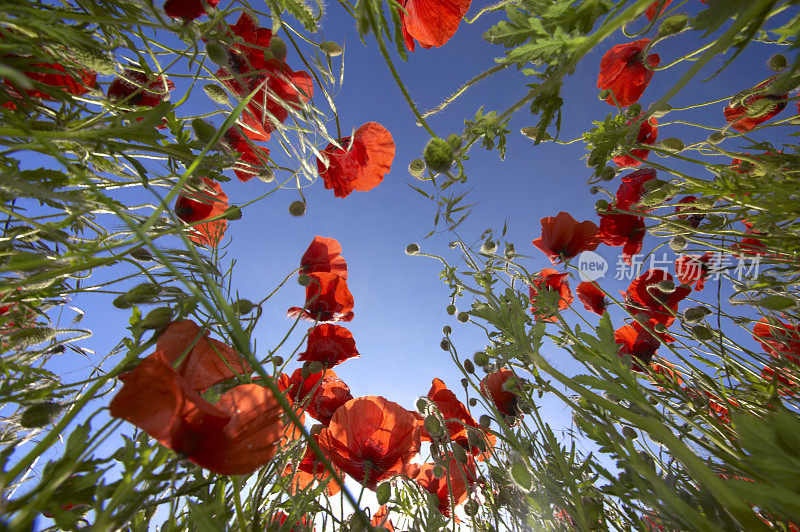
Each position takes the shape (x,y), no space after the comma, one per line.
(237,501)
(390,63)
(464,88)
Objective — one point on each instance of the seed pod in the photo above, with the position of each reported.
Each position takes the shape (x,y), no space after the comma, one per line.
(303,279)
(39,414)
(412,249)
(463,317)
(297,208)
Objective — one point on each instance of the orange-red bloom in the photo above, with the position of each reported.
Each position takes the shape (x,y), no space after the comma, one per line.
(235,436)
(136,88)
(187,9)
(329,344)
(685,205)
(779,339)
(564,238)
(593,299)
(324,255)
(431,22)
(327,393)
(631,189)
(648,134)
(380,519)
(203,361)
(543,284)
(749,245)
(782,378)
(309,470)
(253,160)
(277,523)
(360,163)
(327,299)
(371,439)
(621,229)
(636,342)
(50,78)
(736,113)
(457,418)
(492,387)
(694,269)
(652,9)
(195,206)
(457,476)
(624,71)
(645,296)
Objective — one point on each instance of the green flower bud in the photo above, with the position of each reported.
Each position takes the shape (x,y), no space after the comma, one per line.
(444,344)
(469,367)
(416,168)
(659,110)
(95,60)
(759,107)
(630,433)
(277,48)
(594,190)
(608,174)
(463,317)
(451,309)
(673,24)
(216,93)
(142,293)
(702,333)
(243,306)
(693,315)
(438,471)
(530,132)
(634,110)
(384,493)
(666,286)
(203,130)
(39,414)
(455,141)
(433,426)
(141,254)
(233,213)
(521,476)
(422,405)
(297,208)
(465,383)
(604,94)
(459,454)
(331,48)
(315,367)
(303,279)
(489,247)
(471,508)
(412,249)
(484,421)
(777,63)
(277,360)
(715,138)
(438,155)
(510,384)
(601,205)
(678,243)
(218,54)
(473,402)
(481,358)
(510,251)
(157,318)
(672,144)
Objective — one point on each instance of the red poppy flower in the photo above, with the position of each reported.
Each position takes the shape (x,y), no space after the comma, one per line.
(304,524)
(651,10)
(235,436)
(54,78)
(778,339)
(542,284)
(371,439)
(329,344)
(648,134)
(136,88)
(739,113)
(631,190)
(715,406)
(203,361)
(457,418)
(195,206)
(324,255)
(748,245)
(636,342)
(457,477)
(360,163)
(278,86)
(309,470)
(431,22)
(327,393)
(327,299)
(380,519)
(666,372)
(564,238)
(593,299)
(782,378)
(493,387)
(685,205)
(188,10)
(645,296)
(624,71)
(620,229)
(694,269)
(253,160)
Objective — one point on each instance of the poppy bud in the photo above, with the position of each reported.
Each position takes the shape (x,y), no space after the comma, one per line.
(759,107)
(242,306)
(447,329)
(438,471)
(608,174)
(95,60)
(277,360)
(464,383)
(445,345)
(233,213)
(216,93)
(39,414)
(121,303)
(471,508)
(451,309)
(776,63)
(673,25)
(297,208)
(141,254)
(510,384)
(634,110)
(142,293)
(469,367)
(315,367)
(521,476)
(473,401)
(666,286)
(156,318)
(489,247)
(455,141)
(305,371)
(678,243)
(463,317)
(485,421)
(422,405)
(629,432)
(331,48)
(460,454)
(412,249)
(278,48)
(530,132)
(475,439)
(303,279)
(601,205)
(702,333)
(433,426)
(659,110)
(715,138)
(218,53)
(416,168)
(203,130)
(384,493)
(594,190)
(481,358)
(693,315)
(438,155)
(672,144)
(604,94)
